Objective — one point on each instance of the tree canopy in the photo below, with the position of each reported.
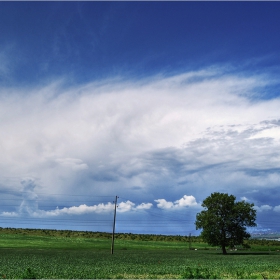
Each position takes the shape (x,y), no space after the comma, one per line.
(224,221)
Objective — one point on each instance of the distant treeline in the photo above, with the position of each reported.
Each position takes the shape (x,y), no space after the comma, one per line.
(103,235)
(123,236)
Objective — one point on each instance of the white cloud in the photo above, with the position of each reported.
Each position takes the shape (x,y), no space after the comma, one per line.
(126,206)
(75,210)
(185,201)
(276,208)
(9,214)
(263,208)
(78,210)
(163,204)
(86,209)
(91,121)
(130,206)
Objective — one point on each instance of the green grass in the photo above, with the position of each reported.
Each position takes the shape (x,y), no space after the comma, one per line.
(52,257)
(49,242)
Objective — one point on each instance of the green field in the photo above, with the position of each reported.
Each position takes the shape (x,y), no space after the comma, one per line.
(59,257)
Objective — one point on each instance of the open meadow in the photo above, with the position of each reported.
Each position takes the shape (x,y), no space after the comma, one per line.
(60,257)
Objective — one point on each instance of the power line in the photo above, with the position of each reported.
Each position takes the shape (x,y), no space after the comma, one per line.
(54,194)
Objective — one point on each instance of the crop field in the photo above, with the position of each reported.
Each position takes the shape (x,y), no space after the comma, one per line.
(29,257)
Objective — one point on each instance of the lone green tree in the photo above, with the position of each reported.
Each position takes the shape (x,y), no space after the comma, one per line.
(224,221)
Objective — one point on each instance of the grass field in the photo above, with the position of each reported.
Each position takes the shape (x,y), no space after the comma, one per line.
(52,257)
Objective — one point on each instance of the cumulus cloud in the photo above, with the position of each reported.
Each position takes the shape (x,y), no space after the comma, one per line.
(163,204)
(9,214)
(185,201)
(263,208)
(277,208)
(130,206)
(75,210)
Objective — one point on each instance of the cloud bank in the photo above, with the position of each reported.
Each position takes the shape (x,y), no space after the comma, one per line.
(196,132)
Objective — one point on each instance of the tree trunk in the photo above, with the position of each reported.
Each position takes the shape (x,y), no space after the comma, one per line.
(224,249)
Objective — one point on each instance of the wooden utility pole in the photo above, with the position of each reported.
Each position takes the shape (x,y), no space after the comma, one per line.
(114,225)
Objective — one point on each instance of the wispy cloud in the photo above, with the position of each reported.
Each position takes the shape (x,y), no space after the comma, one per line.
(75,164)
(29,203)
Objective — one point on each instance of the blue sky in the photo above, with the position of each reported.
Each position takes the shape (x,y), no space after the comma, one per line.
(160,103)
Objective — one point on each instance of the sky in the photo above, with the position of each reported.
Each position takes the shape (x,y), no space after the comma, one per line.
(157,103)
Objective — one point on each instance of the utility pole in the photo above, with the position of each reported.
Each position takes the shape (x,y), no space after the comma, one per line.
(190,241)
(114,225)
